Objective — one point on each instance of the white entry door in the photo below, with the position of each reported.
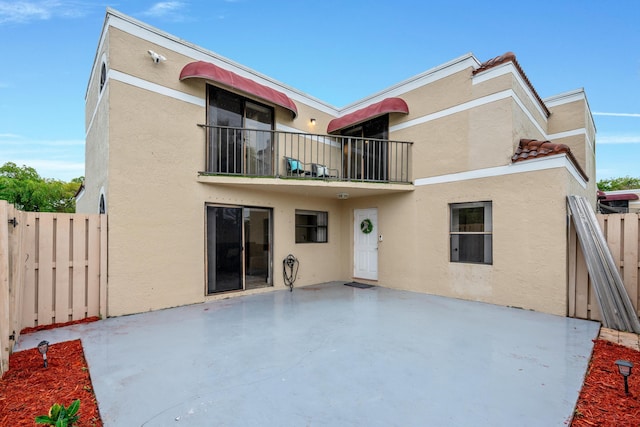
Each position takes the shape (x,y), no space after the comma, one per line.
(365,244)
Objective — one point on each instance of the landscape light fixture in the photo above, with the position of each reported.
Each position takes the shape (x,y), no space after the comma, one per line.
(624,367)
(43,347)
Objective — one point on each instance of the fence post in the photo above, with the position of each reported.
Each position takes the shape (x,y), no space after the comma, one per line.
(5,321)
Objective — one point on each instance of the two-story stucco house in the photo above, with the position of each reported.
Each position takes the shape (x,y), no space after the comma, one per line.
(453,182)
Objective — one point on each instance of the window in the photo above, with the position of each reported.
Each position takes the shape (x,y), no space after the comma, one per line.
(471,232)
(311,227)
(103,76)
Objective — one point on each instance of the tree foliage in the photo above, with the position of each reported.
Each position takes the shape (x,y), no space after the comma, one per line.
(623,183)
(28,191)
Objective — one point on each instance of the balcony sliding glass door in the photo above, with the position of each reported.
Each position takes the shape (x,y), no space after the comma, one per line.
(366,155)
(240,141)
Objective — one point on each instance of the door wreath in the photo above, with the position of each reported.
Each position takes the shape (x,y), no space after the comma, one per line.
(366,226)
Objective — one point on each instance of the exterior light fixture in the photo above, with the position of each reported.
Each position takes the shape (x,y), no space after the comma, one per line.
(624,367)
(343,196)
(312,121)
(43,347)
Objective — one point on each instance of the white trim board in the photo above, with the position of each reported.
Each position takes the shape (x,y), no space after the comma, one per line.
(551,162)
(509,93)
(156,88)
(153,35)
(509,68)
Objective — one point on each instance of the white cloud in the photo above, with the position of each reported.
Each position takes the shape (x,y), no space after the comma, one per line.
(21,12)
(166,9)
(60,159)
(618,139)
(56,169)
(616,114)
(10,139)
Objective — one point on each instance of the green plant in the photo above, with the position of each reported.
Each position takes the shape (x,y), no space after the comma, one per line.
(60,416)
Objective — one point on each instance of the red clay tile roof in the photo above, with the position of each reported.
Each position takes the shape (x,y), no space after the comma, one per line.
(511,57)
(534,149)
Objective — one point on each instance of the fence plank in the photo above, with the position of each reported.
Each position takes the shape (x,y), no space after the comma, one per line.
(17,271)
(93,266)
(29,292)
(5,321)
(61,268)
(104,239)
(79,281)
(614,241)
(630,257)
(44,271)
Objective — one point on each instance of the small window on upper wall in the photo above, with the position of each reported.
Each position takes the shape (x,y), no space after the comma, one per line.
(471,233)
(103,76)
(311,226)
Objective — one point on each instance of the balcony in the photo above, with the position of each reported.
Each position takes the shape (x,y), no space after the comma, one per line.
(243,152)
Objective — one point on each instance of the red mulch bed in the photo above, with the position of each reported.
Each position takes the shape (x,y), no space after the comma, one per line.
(602,401)
(29,389)
(59,325)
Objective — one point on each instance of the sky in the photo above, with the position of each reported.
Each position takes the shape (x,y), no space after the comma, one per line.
(336,51)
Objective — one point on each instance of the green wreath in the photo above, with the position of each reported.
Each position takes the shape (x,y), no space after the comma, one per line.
(366,226)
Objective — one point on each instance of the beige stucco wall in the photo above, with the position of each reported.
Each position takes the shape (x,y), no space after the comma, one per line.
(529,258)
(571,116)
(147,150)
(97,138)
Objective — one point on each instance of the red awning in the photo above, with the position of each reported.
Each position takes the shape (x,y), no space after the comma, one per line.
(619,196)
(387,105)
(206,70)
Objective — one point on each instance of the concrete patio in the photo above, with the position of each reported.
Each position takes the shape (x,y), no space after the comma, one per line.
(333,355)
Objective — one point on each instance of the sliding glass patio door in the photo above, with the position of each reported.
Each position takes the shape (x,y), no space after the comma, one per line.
(238,248)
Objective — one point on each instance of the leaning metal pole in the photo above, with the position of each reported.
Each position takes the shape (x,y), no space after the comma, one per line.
(615,305)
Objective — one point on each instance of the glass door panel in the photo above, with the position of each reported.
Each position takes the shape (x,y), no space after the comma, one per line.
(224,249)
(225,145)
(258,139)
(257,243)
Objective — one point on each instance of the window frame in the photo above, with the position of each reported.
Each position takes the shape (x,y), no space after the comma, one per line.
(457,238)
(319,231)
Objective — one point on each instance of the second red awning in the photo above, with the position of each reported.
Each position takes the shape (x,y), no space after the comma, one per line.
(387,105)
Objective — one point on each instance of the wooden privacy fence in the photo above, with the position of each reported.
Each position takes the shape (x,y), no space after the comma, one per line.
(52,270)
(621,233)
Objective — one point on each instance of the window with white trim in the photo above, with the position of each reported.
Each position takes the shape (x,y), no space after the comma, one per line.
(311,226)
(471,233)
